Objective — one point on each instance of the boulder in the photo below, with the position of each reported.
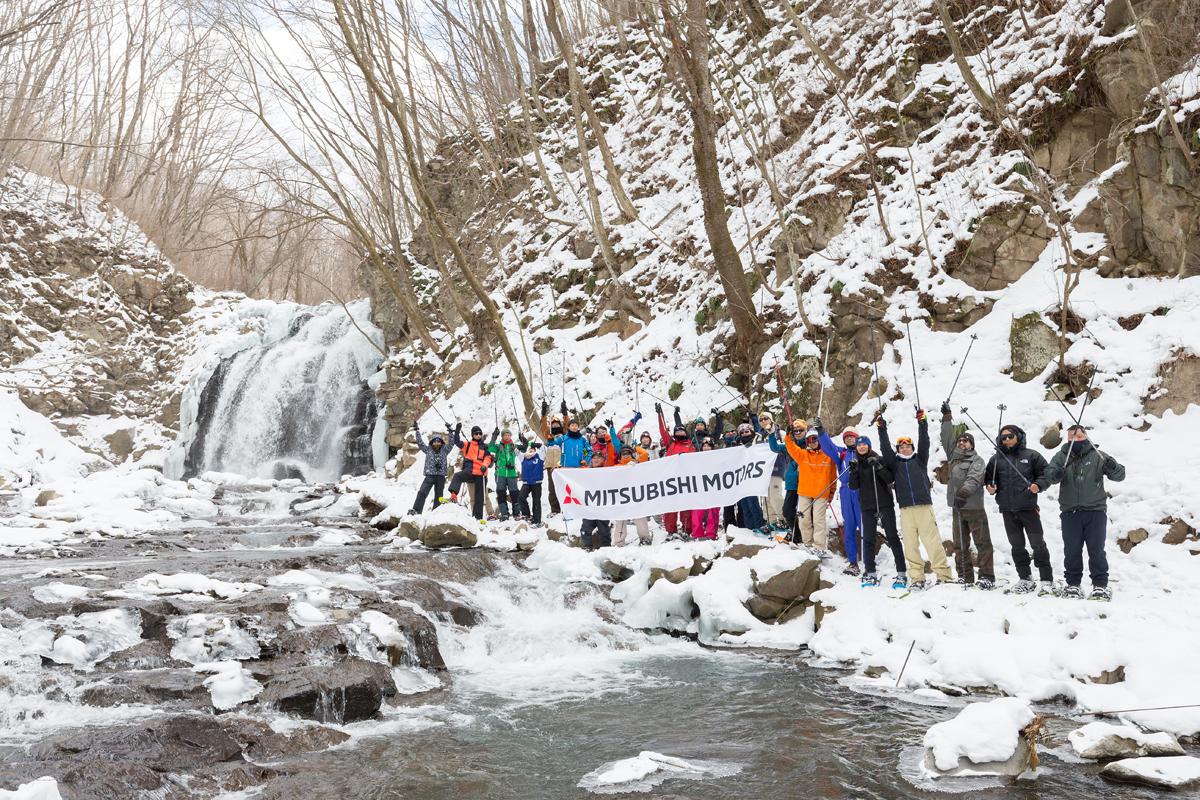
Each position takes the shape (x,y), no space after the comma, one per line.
(792,584)
(261,742)
(987,738)
(1132,539)
(1179,532)
(410,528)
(1006,243)
(448,534)
(148,687)
(185,743)
(1172,772)
(46,496)
(120,444)
(1052,437)
(614,571)
(744,550)
(765,608)
(1109,676)
(1032,345)
(1178,386)
(677,575)
(1103,741)
(349,690)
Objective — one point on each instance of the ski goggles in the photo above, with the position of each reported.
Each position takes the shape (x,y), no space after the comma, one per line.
(904,440)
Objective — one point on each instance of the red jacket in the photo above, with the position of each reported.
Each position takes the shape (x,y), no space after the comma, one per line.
(674,447)
(476,454)
(606,446)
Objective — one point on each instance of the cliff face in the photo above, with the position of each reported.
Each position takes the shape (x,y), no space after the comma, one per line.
(893,195)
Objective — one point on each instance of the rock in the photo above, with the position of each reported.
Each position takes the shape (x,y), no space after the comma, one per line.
(1052,437)
(677,575)
(185,743)
(1110,676)
(1179,532)
(1033,345)
(148,687)
(744,550)
(765,608)
(410,528)
(120,444)
(700,566)
(1006,243)
(875,671)
(984,739)
(1104,741)
(614,571)
(261,742)
(1132,539)
(1172,772)
(448,534)
(346,691)
(1178,386)
(46,496)
(792,584)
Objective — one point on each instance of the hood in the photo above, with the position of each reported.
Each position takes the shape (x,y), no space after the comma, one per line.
(1020,445)
(957,455)
(575,434)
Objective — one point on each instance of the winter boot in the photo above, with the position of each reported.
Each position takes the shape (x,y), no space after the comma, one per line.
(917,586)
(900,582)
(986,584)
(1100,593)
(870,580)
(851,570)
(1072,593)
(1023,586)
(1046,588)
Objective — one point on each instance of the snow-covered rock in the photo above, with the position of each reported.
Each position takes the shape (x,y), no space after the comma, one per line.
(45,788)
(1171,772)
(648,769)
(984,739)
(1103,741)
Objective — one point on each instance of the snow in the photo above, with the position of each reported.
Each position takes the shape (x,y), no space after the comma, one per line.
(187,586)
(59,593)
(1167,772)
(648,769)
(230,684)
(45,788)
(981,733)
(207,638)
(83,640)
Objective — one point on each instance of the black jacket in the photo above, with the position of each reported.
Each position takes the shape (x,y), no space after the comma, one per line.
(872,479)
(1011,470)
(911,474)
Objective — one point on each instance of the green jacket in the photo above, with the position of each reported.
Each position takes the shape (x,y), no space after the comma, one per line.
(1083,478)
(506,459)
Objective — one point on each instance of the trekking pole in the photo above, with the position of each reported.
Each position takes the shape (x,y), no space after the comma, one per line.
(1002,408)
(1064,405)
(783,393)
(906,658)
(996,447)
(824,371)
(541,375)
(961,364)
(579,400)
(516,416)
(912,360)
(875,365)
(421,389)
(1087,398)
(659,399)
(724,386)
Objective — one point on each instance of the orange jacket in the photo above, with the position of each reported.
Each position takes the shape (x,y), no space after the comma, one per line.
(477,455)
(817,471)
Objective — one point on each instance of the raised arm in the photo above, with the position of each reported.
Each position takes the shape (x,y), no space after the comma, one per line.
(424,448)
(922,438)
(947,434)
(828,447)
(662,425)
(885,443)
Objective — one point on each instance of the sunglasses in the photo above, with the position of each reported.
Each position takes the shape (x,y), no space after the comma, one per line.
(966,440)
(1008,436)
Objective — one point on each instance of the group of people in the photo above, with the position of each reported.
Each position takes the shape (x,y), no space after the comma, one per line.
(809,470)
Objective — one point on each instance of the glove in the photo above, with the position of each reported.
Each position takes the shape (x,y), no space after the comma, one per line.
(959,502)
(946,410)
(874,460)
(879,423)
(920,415)
(457,427)
(678,410)
(818,424)
(636,416)
(608,423)
(963,493)
(415,426)
(658,408)
(713,411)
(545,408)
(563,408)
(496,432)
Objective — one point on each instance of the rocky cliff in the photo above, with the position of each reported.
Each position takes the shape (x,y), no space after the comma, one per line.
(892,194)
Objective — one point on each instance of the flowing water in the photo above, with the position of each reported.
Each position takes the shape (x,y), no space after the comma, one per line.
(295,405)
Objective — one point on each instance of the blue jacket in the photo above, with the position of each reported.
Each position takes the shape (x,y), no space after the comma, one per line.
(533,467)
(911,474)
(782,461)
(791,473)
(575,449)
(841,458)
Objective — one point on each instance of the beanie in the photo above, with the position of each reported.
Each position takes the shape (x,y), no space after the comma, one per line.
(476,429)
(863,440)
(968,437)
(850,432)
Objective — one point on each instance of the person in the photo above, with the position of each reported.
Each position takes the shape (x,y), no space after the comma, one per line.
(816,476)
(533,469)
(608,443)
(1081,469)
(1014,477)
(748,508)
(964,494)
(872,480)
(842,457)
(620,528)
(434,469)
(552,430)
(705,520)
(576,451)
(791,475)
(595,533)
(646,450)
(476,460)
(674,443)
(776,489)
(504,454)
(699,429)
(918,526)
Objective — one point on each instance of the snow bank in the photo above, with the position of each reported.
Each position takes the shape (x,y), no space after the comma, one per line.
(187,586)
(982,733)
(32,451)
(1172,772)
(41,789)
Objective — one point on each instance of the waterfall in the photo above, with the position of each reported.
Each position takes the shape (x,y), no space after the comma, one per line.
(294,402)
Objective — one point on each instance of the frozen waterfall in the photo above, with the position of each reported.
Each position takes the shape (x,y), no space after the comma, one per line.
(292,400)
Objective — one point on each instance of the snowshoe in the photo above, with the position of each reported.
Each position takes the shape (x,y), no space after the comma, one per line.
(851,570)
(900,582)
(765,530)
(917,586)
(1023,586)
(1102,593)
(1047,588)
(1072,593)
(986,584)
(869,580)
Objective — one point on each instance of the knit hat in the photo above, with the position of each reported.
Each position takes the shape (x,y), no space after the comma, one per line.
(506,432)
(437,437)
(849,432)
(744,428)
(765,415)
(968,437)
(626,450)
(863,440)
(679,428)
(699,421)
(475,429)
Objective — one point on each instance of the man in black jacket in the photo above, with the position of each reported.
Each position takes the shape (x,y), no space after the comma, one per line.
(872,479)
(1012,476)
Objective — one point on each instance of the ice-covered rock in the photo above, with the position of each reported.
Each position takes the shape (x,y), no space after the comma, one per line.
(984,739)
(1171,772)
(1103,741)
(648,769)
(45,788)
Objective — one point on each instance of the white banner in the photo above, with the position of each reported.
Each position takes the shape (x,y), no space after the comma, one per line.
(710,479)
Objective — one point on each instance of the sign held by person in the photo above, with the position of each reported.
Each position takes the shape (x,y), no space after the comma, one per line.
(709,479)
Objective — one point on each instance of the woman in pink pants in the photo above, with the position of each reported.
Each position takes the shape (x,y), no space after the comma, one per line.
(705,520)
